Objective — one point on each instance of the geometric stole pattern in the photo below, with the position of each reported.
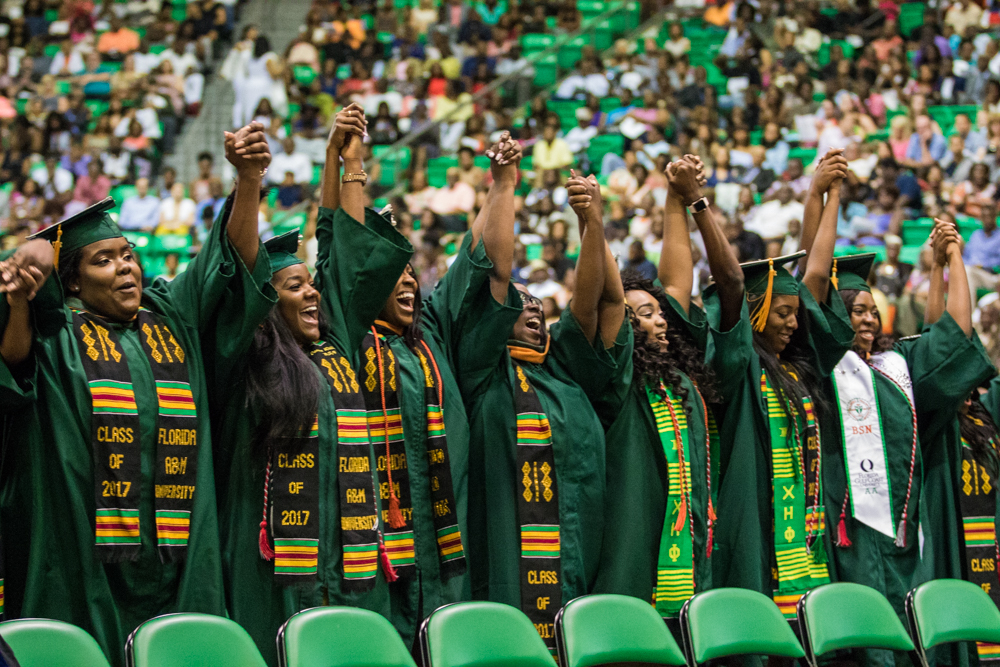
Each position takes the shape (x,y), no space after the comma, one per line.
(977,500)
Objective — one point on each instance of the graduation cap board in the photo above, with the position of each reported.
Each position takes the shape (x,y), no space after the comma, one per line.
(765,278)
(90,225)
(851,272)
(282,249)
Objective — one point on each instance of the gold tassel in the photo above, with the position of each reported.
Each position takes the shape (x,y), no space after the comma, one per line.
(833,274)
(759,319)
(56,247)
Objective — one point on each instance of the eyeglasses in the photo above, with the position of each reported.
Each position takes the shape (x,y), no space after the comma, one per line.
(528,299)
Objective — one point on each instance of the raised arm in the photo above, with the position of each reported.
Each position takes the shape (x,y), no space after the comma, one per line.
(495,222)
(948,247)
(585,198)
(820,257)
(248,152)
(350,121)
(611,309)
(676,270)
(352,190)
(814,205)
(20,278)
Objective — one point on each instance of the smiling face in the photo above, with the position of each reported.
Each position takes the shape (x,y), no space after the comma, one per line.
(109,281)
(399,309)
(298,302)
(647,311)
(530,326)
(781,322)
(865,321)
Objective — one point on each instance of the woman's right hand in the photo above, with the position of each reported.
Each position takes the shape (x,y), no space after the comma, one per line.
(945,239)
(830,171)
(348,122)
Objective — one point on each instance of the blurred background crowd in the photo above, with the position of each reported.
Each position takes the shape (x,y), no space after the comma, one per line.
(96,99)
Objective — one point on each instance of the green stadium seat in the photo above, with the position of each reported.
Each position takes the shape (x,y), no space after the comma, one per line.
(183,640)
(807,155)
(122,192)
(944,115)
(317,176)
(911,17)
(842,616)
(437,170)
(571,51)
(527,163)
(566,110)
(179,12)
(945,611)
(916,232)
(546,71)
(51,15)
(603,35)
(609,104)
(598,630)
(823,56)
(590,8)
(167,243)
(158,48)
(535,42)
(481,634)
(603,144)
(326,637)
(40,642)
(734,621)
(304,74)
(51,50)
(140,240)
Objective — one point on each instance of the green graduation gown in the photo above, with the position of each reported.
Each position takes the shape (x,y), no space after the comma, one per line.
(47,496)
(415,596)
(945,365)
(636,495)
(744,553)
(574,374)
(356,273)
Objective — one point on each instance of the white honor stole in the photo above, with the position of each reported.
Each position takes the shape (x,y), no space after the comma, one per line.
(865,456)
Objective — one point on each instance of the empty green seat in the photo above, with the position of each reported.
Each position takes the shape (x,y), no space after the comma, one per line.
(328,637)
(164,243)
(546,71)
(535,42)
(481,634)
(608,629)
(734,621)
(846,616)
(911,17)
(184,640)
(437,170)
(41,642)
(945,611)
(571,51)
(603,144)
(807,155)
(916,232)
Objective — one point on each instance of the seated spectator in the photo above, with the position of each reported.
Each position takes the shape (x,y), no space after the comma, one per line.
(721,172)
(794,177)
(176,212)
(55,181)
(383,128)
(637,262)
(956,163)
(974,141)
(747,245)
(758,176)
(119,41)
(551,152)
(213,204)
(454,202)
(289,160)
(982,252)
(926,145)
(290,193)
(421,193)
(201,187)
(141,212)
(171,263)
(677,44)
(116,163)
(68,61)
(891,274)
(93,187)
(578,138)
(587,80)
(468,172)
(772,218)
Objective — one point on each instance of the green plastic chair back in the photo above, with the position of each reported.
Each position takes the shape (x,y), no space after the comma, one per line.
(843,615)
(481,634)
(604,629)
(41,642)
(735,621)
(951,610)
(182,640)
(328,637)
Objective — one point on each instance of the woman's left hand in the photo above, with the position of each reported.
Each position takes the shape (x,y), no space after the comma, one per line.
(247,150)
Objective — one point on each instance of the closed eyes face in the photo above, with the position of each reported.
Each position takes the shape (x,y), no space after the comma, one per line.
(298,302)
(530,326)
(400,307)
(647,310)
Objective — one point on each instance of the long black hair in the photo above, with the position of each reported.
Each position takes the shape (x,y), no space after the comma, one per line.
(795,358)
(978,430)
(682,356)
(282,386)
(883,342)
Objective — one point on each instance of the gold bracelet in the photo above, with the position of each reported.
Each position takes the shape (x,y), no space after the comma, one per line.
(359,176)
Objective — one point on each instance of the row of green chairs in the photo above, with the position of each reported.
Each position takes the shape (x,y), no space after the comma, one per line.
(590,631)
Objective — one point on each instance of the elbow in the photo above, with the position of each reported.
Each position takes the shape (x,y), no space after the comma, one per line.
(731,281)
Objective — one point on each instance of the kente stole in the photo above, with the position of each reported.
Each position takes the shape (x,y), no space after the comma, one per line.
(116,437)
(537,510)
(385,425)
(293,487)
(977,501)
(799,521)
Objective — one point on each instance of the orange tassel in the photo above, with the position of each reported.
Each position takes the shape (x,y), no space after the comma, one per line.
(759,318)
(395,516)
(681,515)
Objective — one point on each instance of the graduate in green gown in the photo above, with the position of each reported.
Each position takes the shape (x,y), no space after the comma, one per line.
(108,499)
(659,526)
(297,504)
(890,401)
(537,454)
(769,367)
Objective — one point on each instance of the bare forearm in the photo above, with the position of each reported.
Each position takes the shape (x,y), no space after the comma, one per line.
(959,300)
(935,296)
(498,234)
(820,257)
(242,226)
(589,276)
(611,310)
(15,346)
(810,223)
(331,180)
(352,194)
(676,270)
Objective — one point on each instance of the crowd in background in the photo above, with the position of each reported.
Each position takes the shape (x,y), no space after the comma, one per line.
(911,93)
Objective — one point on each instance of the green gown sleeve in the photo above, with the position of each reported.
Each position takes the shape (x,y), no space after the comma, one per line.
(694,322)
(601,372)
(945,366)
(991,399)
(357,269)
(830,332)
(729,353)
(444,312)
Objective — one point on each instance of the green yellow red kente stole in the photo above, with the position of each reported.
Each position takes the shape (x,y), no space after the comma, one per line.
(675,562)
(115,437)
(537,510)
(799,521)
(385,426)
(978,503)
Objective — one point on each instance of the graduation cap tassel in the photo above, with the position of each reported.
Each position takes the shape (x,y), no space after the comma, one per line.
(56,247)
(759,319)
(833,274)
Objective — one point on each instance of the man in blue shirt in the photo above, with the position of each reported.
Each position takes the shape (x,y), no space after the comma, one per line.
(141,212)
(982,252)
(926,146)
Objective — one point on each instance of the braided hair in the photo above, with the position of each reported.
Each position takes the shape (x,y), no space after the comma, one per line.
(652,363)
